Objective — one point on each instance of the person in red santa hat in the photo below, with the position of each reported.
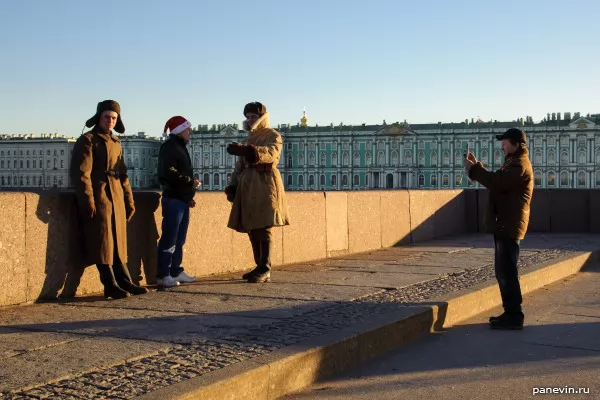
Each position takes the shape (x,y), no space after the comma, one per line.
(175,174)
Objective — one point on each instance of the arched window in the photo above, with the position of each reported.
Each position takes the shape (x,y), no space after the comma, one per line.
(344,180)
(334,159)
(300,180)
(445,180)
(289,162)
(206,181)
(421,158)
(446,158)
(433,180)
(434,159)
(345,159)
(356,159)
(537,159)
(311,180)
(421,180)
(323,159)
(206,160)
(322,180)
(334,180)
(538,178)
(368,158)
(394,158)
(598,178)
(311,159)
(564,178)
(564,158)
(301,160)
(497,157)
(484,157)
(289,180)
(356,180)
(389,181)
(407,157)
(581,158)
(381,158)
(581,179)
(551,179)
(216,179)
(458,180)
(551,157)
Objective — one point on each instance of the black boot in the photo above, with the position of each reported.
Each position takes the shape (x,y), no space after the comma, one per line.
(256,252)
(124,281)
(111,289)
(263,271)
(508,321)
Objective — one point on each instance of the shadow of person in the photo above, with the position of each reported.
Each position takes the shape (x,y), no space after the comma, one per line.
(142,236)
(65,261)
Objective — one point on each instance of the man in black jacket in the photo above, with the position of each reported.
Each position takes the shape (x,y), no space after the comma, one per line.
(175,174)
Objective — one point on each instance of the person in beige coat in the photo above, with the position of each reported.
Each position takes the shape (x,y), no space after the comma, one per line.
(104,199)
(256,189)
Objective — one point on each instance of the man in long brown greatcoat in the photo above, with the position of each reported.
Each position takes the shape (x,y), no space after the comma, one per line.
(104,199)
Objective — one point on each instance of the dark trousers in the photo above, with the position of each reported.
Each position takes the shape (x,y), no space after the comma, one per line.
(506,255)
(175,222)
(261,247)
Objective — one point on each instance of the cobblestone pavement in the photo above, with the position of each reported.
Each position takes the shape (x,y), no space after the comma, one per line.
(185,361)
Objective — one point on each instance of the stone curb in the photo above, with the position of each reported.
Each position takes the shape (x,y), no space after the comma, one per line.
(296,367)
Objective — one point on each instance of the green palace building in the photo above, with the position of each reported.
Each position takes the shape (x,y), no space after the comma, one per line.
(564,150)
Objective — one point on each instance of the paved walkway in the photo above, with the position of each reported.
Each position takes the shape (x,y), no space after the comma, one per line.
(92,348)
(558,349)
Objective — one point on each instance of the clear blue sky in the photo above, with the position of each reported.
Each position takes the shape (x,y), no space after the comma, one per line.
(346,61)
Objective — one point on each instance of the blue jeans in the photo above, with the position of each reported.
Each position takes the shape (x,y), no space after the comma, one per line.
(176,219)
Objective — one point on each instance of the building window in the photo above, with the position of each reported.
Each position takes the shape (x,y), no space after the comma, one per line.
(322,180)
(551,141)
(289,178)
(381,158)
(537,159)
(344,180)
(421,180)
(62,152)
(311,180)
(458,180)
(334,159)
(421,158)
(551,158)
(301,160)
(458,159)
(598,156)
(581,158)
(356,180)
(356,159)
(394,158)
(55,181)
(62,163)
(407,157)
(564,178)
(538,179)
(2,181)
(216,180)
(2,164)
(323,159)
(368,160)
(15,181)
(389,181)
(445,180)
(497,157)
(334,180)
(433,180)
(300,180)
(345,159)
(434,159)
(484,157)
(564,158)
(581,181)
(598,178)
(445,159)
(21,163)
(289,163)
(28,181)
(311,159)
(206,181)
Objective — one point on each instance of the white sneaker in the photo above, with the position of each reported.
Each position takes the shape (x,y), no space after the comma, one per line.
(167,281)
(185,278)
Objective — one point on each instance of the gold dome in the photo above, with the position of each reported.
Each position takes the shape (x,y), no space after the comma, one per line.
(304,119)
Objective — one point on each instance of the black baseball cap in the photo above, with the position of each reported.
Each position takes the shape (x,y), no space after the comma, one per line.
(515,134)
